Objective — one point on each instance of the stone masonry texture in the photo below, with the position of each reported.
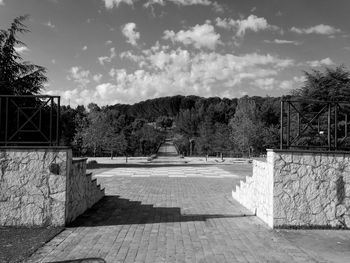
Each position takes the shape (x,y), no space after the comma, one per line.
(30,193)
(82,192)
(299,189)
(311,189)
(256,193)
(43,187)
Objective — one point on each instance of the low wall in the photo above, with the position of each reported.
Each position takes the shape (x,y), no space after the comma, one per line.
(33,186)
(256,193)
(309,189)
(82,192)
(37,186)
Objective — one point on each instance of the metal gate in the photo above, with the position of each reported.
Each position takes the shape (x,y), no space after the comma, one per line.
(310,124)
(29,120)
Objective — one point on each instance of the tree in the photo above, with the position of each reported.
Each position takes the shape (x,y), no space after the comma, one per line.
(246,126)
(18,77)
(332,84)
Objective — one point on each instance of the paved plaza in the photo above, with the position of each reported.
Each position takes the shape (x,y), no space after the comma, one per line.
(172,214)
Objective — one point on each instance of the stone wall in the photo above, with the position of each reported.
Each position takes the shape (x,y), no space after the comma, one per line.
(82,191)
(43,187)
(311,189)
(33,186)
(256,193)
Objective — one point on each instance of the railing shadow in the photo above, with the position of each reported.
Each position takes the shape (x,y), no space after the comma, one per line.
(113,210)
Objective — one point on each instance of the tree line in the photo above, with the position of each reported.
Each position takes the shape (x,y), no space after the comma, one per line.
(199,126)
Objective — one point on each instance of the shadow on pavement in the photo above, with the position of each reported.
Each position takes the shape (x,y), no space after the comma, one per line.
(113,210)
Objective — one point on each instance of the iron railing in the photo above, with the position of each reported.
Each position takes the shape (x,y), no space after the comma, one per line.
(29,120)
(310,124)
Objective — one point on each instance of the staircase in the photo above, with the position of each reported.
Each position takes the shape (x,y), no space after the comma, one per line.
(167,149)
(168,153)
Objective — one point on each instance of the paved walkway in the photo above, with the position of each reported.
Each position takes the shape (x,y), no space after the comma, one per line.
(171,219)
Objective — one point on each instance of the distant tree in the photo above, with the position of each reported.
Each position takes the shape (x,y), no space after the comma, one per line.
(164,122)
(187,123)
(332,84)
(204,143)
(246,127)
(18,77)
(67,125)
(115,143)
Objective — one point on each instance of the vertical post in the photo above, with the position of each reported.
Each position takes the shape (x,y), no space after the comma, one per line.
(336,126)
(346,125)
(329,126)
(288,124)
(6,119)
(58,120)
(281,129)
(298,119)
(51,106)
(0,118)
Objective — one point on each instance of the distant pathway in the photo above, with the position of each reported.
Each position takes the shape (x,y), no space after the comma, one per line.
(170,219)
(167,149)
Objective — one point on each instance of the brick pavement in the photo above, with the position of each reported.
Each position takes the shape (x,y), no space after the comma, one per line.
(170,219)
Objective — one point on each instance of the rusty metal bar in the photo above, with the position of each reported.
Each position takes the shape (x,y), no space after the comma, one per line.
(335,126)
(281,129)
(58,120)
(298,119)
(329,126)
(346,125)
(288,124)
(6,118)
(51,100)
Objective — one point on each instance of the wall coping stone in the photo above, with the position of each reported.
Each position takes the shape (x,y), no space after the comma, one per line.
(306,151)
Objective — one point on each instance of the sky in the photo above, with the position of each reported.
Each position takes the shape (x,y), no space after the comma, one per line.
(126,51)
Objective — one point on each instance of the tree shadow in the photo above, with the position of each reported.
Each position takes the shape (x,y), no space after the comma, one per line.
(113,210)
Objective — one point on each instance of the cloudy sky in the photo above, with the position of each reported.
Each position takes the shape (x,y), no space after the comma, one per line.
(125,51)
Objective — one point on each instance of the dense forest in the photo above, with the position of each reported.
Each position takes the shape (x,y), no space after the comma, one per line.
(198,125)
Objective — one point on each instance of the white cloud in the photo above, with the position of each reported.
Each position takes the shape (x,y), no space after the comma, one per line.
(21,49)
(108,42)
(97,77)
(319,29)
(79,75)
(50,25)
(252,23)
(265,84)
(283,41)
(319,63)
(2,2)
(107,59)
(129,32)
(199,36)
(165,72)
(84,48)
(218,7)
(109,4)
(292,84)
(177,2)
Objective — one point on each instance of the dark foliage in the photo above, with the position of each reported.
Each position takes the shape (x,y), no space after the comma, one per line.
(18,77)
